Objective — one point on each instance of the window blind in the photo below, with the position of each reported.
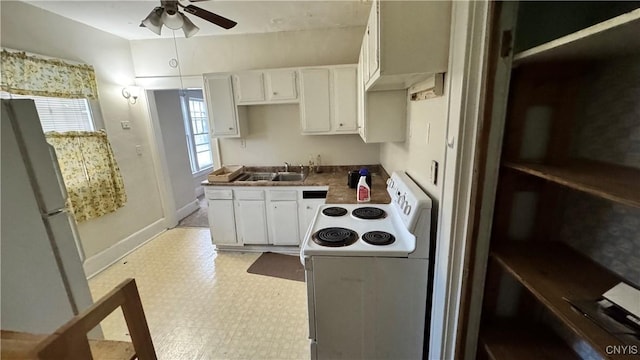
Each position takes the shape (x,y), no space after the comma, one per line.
(60,114)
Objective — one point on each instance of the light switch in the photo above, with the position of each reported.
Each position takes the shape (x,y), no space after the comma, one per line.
(125,125)
(139,149)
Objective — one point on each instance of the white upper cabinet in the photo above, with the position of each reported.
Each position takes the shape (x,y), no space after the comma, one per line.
(266,87)
(406,42)
(345,107)
(315,105)
(223,114)
(281,85)
(328,102)
(381,114)
(371,39)
(250,87)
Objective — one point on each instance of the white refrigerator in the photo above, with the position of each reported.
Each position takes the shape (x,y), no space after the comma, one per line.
(43,283)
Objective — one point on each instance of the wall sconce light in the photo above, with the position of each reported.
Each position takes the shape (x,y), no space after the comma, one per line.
(131,92)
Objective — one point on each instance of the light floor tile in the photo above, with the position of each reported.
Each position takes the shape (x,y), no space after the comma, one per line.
(201,304)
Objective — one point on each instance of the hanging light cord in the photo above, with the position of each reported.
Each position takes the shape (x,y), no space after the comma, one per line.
(175,46)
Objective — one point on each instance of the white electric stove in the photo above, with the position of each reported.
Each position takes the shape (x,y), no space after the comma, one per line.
(366,270)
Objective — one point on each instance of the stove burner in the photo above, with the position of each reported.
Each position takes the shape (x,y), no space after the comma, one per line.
(334,211)
(378,238)
(335,237)
(369,213)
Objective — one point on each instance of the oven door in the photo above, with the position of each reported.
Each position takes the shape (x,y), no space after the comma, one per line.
(367,307)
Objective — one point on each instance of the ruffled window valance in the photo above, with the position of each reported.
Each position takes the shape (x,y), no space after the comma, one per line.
(25,74)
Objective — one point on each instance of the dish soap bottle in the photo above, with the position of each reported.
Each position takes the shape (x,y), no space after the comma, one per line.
(363,191)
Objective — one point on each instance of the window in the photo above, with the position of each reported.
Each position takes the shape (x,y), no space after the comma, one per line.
(196,124)
(60,114)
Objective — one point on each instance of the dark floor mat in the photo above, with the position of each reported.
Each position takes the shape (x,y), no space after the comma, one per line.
(278,265)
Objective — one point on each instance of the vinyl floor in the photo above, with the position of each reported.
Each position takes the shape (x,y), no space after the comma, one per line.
(201,304)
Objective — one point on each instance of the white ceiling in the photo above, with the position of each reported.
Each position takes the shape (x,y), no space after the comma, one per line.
(123,17)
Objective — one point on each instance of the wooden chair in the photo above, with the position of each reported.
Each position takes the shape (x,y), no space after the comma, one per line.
(70,340)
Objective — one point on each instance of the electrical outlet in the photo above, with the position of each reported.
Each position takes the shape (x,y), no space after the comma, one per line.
(139,149)
(434,172)
(125,125)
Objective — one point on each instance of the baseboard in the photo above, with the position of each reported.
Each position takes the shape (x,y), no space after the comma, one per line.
(95,264)
(187,210)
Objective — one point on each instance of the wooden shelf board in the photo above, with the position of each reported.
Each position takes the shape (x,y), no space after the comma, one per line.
(612,182)
(522,341)
(552,271)
(616,36)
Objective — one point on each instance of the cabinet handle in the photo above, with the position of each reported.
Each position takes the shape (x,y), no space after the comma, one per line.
(309,207)
(340,124)
(275,93)
(230,128)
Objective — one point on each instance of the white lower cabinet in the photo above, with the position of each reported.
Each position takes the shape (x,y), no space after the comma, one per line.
(284,223)
(267,216)
(283,216)
(251,217)
(221,217)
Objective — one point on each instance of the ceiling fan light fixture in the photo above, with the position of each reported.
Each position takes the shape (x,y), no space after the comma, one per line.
(173,21)
(188,27)
(153,21)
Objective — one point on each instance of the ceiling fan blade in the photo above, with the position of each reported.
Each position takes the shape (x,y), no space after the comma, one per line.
(210,17)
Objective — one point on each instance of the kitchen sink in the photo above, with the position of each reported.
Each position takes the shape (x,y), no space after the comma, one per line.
(289,176)
(258,176)
(272,176)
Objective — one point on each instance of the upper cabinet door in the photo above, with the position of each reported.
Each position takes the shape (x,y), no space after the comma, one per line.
(345,104)
(373,48)
(281,85)
(250,87)
(223,117)
(315,107)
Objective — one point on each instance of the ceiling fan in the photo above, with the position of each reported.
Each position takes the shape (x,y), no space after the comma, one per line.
(168,15)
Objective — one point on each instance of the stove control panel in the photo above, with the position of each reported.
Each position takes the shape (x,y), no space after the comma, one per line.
(406,197)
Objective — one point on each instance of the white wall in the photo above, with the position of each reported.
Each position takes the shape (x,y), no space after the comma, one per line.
(176,149)
(274,137)
(25,27)
(425,118)
(206,54)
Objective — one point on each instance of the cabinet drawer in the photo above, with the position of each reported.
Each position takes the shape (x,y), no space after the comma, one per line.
(249,194)
(280,195)
(219,194)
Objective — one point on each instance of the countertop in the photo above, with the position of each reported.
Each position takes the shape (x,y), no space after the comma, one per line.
(335,177)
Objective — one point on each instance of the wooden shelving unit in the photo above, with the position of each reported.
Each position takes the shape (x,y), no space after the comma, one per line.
(569,95)
(617,36)
(616,183)
(553,272)
(510,340)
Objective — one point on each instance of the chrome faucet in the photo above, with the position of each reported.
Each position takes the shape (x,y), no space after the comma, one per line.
(286,166)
